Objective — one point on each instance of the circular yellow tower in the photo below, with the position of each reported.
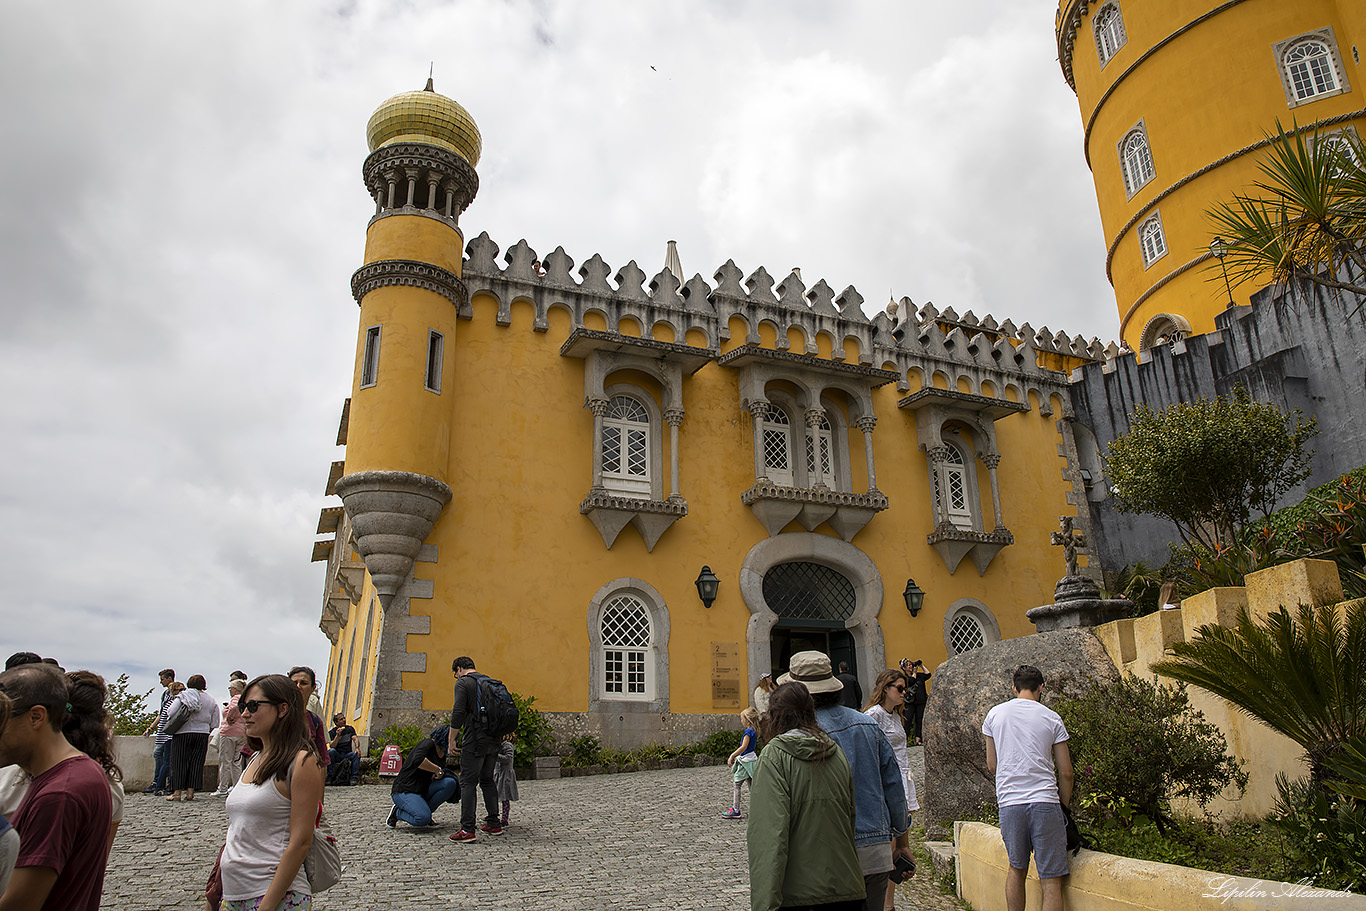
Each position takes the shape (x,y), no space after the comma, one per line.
(1177,98)
(420,171)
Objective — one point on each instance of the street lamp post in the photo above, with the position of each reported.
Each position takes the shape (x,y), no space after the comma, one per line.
(1220,249)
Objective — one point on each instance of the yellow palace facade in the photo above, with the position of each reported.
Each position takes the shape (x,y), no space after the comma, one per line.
(1177,98)
(546,464)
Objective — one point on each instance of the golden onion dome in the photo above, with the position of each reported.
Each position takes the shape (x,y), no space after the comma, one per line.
(428,117)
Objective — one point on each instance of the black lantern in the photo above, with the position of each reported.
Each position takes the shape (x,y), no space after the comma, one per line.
(915,598)
(707,584)
(1219,248)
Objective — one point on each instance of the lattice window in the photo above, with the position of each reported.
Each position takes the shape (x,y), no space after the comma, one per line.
(818,441)
(626,639)
(966,634)
(955,478)
(778,447)
(1136,161)
(626,446)
(1150,239)
(1109,29)
(808,591)
(1309,67)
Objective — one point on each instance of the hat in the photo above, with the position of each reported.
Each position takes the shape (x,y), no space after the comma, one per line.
(813,670)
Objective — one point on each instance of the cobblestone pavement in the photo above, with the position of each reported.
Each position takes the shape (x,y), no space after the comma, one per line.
(630,841)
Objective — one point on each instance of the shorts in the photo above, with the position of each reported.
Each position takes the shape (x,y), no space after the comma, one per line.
(744,767)
(293,901)
(1037,826)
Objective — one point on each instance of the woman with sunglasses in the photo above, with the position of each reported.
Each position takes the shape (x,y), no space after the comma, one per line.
(274,807)
(887,706)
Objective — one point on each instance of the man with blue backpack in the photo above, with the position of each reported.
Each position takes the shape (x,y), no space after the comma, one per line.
(485,712)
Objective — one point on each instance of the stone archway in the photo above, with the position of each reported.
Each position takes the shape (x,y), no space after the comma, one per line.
(829,551)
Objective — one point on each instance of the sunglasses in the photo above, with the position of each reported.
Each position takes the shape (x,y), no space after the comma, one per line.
(250,708)
(900,687)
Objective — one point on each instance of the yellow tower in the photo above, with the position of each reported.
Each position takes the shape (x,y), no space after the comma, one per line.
(420,172)
(1177,97)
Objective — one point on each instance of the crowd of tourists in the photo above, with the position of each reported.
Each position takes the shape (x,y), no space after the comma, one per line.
(832,792)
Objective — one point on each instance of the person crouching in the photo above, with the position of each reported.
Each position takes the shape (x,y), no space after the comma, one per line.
(423,784)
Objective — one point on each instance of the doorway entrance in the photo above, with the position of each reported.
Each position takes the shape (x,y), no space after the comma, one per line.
(789,638)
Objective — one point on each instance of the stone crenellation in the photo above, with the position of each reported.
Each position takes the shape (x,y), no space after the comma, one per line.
(987,356)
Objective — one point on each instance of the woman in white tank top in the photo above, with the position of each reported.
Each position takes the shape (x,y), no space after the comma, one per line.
(274,807)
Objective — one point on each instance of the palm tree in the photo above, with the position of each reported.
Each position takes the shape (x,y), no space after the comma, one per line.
(1302,675)
(1308,219)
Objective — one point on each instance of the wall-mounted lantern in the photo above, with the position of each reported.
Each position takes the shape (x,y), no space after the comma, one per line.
(707,586)
(915,598)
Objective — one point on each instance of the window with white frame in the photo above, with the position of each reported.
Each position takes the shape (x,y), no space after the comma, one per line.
(820,465)
(626,447)
(951,476)
(1310,69)
(627,636)
(969,624)
(1136,160)
(778,446)
(1151,240)
(1108,26)
(369,362)
(436,345)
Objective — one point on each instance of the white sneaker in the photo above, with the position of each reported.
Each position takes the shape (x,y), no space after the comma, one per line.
(218,794)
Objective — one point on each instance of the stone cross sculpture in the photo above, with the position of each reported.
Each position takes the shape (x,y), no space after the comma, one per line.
(1070,541)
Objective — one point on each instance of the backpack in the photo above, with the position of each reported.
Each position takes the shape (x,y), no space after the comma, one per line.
(497,713)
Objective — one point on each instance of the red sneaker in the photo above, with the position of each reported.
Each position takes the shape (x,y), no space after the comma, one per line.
(463,836)
(492,830)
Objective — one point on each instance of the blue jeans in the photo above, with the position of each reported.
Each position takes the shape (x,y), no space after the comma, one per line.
(161,764)
(417,809)
(341,761)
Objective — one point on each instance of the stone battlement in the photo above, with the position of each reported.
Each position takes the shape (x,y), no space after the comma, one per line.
(920,343)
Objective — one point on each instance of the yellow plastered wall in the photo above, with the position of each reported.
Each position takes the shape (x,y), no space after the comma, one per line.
(1204,87)
(353,659)
(518,564)
(1135,645)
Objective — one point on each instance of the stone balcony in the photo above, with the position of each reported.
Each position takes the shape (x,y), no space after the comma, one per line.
(953,544)
(846,513)
(611,512)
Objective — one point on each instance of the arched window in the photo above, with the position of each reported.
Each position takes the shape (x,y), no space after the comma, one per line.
(1136,160)
(969,624)
(951,476)
(1150,239)
(627,635)
(626,447)
(801,590)
(820,466)
(778,447)
(1108,25)
(965,634)
(1309,69)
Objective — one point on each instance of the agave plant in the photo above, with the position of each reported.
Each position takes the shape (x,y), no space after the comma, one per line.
(1301,674)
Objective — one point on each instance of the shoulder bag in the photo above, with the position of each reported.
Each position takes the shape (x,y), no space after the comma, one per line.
(323,863)
(180,713)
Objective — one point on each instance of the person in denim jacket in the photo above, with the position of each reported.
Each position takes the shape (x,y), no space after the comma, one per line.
(880,813)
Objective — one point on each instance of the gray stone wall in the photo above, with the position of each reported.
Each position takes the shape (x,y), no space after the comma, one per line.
(1295,346)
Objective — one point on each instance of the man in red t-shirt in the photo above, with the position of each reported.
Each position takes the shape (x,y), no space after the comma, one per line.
(63,822)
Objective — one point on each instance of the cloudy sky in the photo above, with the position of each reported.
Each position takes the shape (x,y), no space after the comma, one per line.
(183,210)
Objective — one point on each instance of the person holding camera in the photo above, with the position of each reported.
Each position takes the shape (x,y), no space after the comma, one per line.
(916,697)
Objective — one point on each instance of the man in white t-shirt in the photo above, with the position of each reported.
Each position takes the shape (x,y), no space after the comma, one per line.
(1027,752)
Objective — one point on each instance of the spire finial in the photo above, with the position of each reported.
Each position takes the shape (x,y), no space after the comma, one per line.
(430,71)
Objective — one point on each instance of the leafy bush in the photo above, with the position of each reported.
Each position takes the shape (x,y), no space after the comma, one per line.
(535,736)
(584,750)
(127,709)
(1327,833)
(404,736)
(1137,745)
(721,744)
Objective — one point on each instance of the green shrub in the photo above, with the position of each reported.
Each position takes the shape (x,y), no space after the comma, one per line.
(535,736)
(404,736)
(1136,745)
(721,744)
(127,709)
(584,750)
(1327,833)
